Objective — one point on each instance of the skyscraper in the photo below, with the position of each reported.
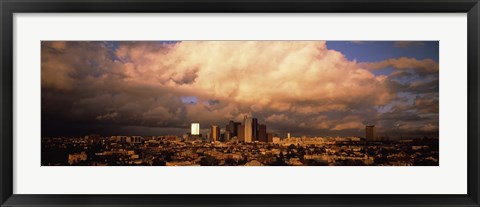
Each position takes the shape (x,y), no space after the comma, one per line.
(231,128)
(215,134)
(370,133)
(255,129)
(236,124)
(195,129)
(241,133)
(262,133)
(248,129)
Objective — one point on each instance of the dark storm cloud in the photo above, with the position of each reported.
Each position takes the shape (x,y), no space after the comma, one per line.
(403,44)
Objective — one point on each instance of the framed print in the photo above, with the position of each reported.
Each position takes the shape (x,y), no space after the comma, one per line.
(247,123)
(264,103)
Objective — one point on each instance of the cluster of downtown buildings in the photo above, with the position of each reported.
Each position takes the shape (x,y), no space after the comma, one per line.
(240,144)
(251,131)
(248,131)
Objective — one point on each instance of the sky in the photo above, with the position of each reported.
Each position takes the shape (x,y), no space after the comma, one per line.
(311,88)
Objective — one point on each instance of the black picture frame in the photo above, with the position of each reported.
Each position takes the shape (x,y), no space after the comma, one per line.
(10,7)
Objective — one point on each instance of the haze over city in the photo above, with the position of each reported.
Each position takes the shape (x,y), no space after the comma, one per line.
(305,88)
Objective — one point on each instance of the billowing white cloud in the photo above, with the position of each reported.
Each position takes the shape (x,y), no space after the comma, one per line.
(283,83)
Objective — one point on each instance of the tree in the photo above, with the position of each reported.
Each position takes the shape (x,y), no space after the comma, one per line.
(230,162)
(158,162)
(209,161)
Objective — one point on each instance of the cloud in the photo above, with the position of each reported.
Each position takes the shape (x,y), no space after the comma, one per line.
(430,127)
(348,125)
(285,84)
(426,105)
(349,122)
(277,118)
(358,42)
(425,66)
(59,45)
(404,44)
(110,115)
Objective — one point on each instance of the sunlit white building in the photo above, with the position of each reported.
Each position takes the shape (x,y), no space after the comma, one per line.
(195,128)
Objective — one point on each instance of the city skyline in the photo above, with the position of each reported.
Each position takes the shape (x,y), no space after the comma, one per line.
(312,88)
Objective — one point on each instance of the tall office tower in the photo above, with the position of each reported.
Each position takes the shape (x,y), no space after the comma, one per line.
(241,133)
(236,125)
(262,133)
(270,137)
(248,129)
(255,129)
(215,134)
(231,129)
(370,133)
(228,129)
(195,129)
(288,135)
